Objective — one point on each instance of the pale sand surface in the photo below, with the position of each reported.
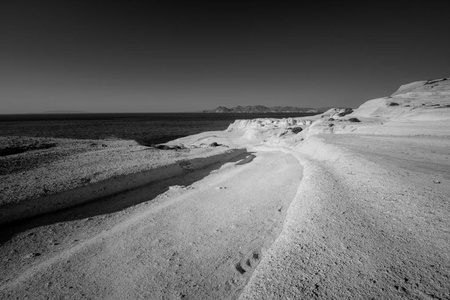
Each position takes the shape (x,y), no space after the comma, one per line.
(341,210)
(78,171)
(201,241)
(370,222)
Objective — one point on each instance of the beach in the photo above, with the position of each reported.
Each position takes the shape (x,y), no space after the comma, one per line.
(346,204)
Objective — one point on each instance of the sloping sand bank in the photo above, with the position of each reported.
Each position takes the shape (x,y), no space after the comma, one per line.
(73,172)
(200,240)
(371,220)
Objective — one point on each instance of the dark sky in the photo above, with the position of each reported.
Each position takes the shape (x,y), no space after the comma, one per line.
(160,56)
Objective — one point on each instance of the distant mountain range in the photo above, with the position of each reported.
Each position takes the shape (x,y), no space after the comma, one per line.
(262,109)
(64,112)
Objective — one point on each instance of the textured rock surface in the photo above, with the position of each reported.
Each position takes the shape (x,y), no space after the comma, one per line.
(339,210)
(72,172)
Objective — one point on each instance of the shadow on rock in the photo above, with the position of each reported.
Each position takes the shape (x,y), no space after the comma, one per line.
(116,202)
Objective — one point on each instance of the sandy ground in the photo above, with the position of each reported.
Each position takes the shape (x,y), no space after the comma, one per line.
(73,172)
(346,205)
(371,221)
(195,241)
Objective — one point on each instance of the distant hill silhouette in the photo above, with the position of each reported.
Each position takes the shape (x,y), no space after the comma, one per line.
(262,109)
(64,112)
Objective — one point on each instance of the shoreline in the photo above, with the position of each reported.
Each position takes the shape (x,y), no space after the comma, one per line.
(170,209)
(38,191)
(340,205)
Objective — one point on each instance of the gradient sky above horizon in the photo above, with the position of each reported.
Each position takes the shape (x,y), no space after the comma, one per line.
(158,56)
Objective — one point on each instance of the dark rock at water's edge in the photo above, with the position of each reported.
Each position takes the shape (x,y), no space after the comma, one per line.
(262,109)
(180,147)
(296,129)
(167,147)
(345,112)
(354,120)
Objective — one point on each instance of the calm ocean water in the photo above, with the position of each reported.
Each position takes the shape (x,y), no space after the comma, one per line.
(146,128)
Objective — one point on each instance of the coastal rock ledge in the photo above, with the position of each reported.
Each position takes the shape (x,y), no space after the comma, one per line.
(348,204)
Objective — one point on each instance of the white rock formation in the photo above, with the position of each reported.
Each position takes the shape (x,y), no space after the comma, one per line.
(339,210)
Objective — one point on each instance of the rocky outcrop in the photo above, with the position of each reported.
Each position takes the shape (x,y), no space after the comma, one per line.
(421,100)
(433,85)
(269,123)
(411,104)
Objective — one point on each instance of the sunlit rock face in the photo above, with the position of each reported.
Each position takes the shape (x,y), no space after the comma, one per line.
(329,197)
(422,101)
(270,130)
(268,123)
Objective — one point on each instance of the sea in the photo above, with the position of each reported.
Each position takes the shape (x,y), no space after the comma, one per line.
(145,128)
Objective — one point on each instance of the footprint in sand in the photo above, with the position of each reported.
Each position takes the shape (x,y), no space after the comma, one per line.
(248,262)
